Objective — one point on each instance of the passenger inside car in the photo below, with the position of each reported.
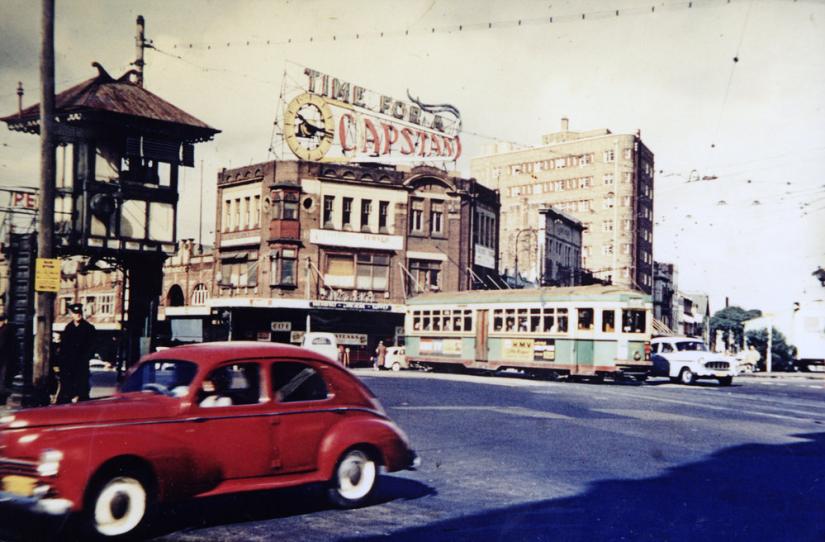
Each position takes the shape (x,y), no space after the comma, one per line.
(214,391)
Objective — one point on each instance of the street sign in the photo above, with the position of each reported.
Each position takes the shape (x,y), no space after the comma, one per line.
(47,275)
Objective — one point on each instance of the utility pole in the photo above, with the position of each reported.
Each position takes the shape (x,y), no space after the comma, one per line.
(768,352)
(44,304)
(140,45)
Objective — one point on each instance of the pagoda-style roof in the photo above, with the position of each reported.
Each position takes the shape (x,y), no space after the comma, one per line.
(103,96)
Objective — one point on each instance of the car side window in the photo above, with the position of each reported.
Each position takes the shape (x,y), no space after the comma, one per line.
(294,381)
(230,385)
(666,347)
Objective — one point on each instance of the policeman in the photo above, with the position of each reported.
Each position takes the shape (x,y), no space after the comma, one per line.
(76,344)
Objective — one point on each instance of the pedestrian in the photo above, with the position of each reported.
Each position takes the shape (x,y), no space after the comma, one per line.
(76,344)
(8,359)
(380,355)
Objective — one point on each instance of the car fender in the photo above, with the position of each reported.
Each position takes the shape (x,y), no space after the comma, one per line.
(378,433)
(84,454)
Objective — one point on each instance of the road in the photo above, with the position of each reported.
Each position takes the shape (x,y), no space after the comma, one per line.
(507,458)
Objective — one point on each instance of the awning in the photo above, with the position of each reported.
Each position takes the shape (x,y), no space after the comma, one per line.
(239,255)
(660,328)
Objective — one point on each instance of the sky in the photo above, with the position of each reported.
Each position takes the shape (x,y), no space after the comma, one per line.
(727,94)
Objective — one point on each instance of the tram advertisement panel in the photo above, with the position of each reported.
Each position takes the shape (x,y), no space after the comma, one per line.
(443,347)
(518,349)
(544,350)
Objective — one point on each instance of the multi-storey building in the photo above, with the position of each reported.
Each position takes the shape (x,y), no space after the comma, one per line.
(336,247)
(187,284)
(665,307)
(603,179)
(562,243)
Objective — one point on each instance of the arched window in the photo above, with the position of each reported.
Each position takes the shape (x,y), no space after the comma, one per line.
(175,297)
(199,295)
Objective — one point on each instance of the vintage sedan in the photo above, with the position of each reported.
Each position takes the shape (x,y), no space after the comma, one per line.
(196,421)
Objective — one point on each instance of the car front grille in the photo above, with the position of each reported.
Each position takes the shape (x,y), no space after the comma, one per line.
(718,365)
(17,467)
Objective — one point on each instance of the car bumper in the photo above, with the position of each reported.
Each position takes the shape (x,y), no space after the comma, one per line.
(36,505)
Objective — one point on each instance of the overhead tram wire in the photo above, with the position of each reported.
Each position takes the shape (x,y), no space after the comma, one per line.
(430,30)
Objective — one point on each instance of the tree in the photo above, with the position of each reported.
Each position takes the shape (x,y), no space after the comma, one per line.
(783,354)
(729,322)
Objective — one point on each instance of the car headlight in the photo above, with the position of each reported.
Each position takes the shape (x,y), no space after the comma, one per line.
(701,361)
(637,355)
(49,463)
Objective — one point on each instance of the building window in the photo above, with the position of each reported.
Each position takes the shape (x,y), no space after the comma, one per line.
(285,207)
(626,248)
(256,211)
(427,275)
(383,211)
(609,155)
(608,178)
(339,271)
(607,249)
(608,201)
(626,224)
(283,267)
(607,225)
(372,271)
(239,274)
(106,304)
(227,215)
(247,204)
(199,295)
(346,213)
(329,202)
(237,215)
(366,209)
(626,153)
(436,218)
(417,216)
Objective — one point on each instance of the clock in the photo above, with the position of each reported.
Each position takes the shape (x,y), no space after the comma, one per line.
(308,126)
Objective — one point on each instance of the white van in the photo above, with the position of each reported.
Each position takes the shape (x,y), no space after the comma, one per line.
(323,343)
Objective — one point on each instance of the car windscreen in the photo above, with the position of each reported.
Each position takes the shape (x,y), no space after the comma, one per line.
(169,376)
(691,346)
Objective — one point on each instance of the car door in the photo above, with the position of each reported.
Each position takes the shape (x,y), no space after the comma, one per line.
(232,435)
(304,412)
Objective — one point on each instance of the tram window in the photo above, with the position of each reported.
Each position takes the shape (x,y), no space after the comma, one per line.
(498,320)
(448,323)
(585,318)
(436,321)
(426,323)
(416,321)
(456,323)
(549,320)
(522,319)
(609,321)
(633,321)
(468,320)
(562,316)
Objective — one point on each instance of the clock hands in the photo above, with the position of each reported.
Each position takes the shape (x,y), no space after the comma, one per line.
(307,129)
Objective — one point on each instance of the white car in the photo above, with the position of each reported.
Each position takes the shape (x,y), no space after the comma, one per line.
(686,359)
(395,359)
(323,343)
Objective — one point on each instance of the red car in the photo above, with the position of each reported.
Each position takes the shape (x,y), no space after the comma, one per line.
(198,421)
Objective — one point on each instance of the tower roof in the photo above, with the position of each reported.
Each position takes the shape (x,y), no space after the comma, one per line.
(104,95)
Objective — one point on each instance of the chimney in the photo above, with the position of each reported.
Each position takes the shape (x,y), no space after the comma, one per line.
(20,98)
(565,124)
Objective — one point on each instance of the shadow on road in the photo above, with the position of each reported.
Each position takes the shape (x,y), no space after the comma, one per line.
(216,511)
(752,492)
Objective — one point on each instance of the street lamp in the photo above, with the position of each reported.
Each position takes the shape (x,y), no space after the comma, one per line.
(518,234)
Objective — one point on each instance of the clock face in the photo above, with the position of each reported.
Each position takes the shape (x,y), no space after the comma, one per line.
(308,126)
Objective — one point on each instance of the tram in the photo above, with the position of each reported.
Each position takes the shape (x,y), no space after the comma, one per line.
(589,331)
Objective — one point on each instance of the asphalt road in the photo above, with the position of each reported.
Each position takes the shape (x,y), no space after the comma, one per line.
(507,458)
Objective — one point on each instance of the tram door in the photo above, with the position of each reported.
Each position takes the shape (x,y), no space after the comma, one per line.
(481,335)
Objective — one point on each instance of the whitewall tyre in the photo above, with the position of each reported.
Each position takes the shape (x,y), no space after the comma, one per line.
(119,507)
(354,480)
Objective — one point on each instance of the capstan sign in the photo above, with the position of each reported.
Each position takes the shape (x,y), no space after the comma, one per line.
(338,120)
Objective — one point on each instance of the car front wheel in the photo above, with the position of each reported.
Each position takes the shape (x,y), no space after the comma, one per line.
(396,366)
(354,480)
(687,377)
(118,506)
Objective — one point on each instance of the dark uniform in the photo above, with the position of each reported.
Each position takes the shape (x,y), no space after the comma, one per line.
(76,344)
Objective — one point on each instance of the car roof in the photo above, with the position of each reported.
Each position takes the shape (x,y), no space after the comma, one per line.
(214,353)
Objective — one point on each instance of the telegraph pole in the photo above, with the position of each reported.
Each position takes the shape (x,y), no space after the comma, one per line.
(44,304)
(140,44)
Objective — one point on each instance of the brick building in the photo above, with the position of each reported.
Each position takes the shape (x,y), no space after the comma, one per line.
(340,247)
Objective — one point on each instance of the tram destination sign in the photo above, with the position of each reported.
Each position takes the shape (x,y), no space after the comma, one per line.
(334,119)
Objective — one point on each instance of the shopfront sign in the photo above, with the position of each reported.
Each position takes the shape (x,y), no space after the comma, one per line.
(335,119)
(281,326)
(347,339)
(356,239)
(350,305)
(484,257)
